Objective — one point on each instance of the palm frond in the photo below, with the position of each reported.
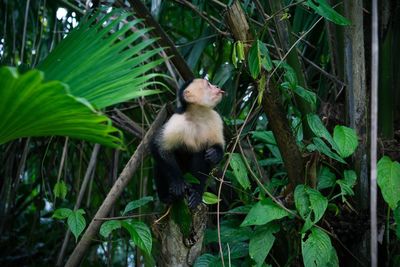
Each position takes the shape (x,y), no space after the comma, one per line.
(31,107)
(103,62)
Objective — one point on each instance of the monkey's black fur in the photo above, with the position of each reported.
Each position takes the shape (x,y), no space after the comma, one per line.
(171,166)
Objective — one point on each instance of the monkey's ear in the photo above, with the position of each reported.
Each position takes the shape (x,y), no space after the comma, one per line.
(188,96)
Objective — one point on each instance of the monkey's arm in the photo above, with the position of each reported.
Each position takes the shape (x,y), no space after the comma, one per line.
(170,169)
(214,154)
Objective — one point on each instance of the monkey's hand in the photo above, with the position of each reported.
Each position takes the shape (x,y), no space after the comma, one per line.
(177,188)
(194,198)
(214,155)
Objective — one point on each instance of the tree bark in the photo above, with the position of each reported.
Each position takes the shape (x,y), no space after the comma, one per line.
(126,175)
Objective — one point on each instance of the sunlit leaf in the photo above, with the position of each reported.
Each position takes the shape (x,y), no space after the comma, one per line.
(210,198)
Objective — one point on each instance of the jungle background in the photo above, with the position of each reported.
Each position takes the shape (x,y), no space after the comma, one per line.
(84,85)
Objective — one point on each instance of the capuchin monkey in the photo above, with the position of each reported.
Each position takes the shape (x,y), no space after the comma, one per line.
(191,141)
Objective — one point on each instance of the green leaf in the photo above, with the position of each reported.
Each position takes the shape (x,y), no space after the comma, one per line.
(109,226)
(346,140)
(137,203)
(62,213)
(140,235)
(319,129)
(307,95)
(266,61)
(254,59)
(103,62)
(347,183)
(310,204)
(262,83)
(239,169)
(210,198)
(234,57)
(322,8)
(206,260)
(188,177)
(181,215)
(30,107)
(324,149)
(240,50)
(389,180)
(265,136)
(261,242)
(76,223)
(264,212)
(326,178)
(60,190)
(317,249)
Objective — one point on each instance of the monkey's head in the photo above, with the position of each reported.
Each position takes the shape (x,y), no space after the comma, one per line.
(199,92)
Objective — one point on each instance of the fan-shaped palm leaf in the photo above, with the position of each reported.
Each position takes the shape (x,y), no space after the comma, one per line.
(31,107)
(103,62)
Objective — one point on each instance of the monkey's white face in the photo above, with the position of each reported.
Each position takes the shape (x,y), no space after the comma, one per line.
(203,93)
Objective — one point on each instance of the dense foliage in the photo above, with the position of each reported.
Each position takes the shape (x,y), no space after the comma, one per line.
(292,189)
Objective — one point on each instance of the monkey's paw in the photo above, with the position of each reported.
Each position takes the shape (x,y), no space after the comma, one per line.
(177,188)
(212,155)
(194,199)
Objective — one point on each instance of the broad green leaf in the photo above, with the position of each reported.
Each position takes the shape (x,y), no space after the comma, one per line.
(76,223)
(317,249)
(109,226)
(261,242)
(389,180)
(254,59)
(62,213)
(396,215)
(237,250)
(229,234)
(181,215)
(310,204)
(319,129)
(265,136)
(346,140)
(346,184)
(326,178)
(240,50)
(210,198)
(137,203)
(239,169)
(266,61)
(322,8)
(30,107)
(264,212)
(140,234)
(188,177)
(307,95)
(60,190)
(262,83)
(290,75)
(324,149)
(206,260)
(104,62)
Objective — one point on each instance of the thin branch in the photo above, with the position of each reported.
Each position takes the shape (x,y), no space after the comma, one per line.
(24,31)
(126,175)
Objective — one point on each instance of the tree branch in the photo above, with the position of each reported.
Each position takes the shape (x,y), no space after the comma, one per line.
(122,181)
